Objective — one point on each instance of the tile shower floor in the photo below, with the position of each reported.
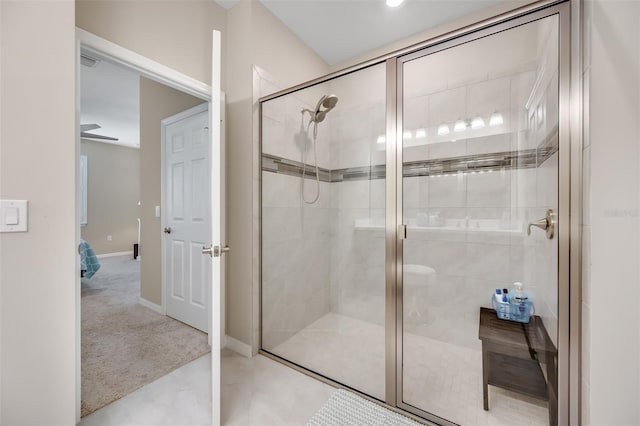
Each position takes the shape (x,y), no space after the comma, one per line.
(440,377)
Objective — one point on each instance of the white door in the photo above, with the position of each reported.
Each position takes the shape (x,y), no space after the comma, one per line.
(187,223)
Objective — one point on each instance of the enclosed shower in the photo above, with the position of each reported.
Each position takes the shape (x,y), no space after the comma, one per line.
(390,218)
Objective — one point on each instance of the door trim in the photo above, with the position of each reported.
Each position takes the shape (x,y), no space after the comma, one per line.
(146,66)
(198,109)
(150,69)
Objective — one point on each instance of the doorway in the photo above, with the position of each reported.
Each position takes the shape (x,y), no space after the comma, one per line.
(126,340)
(155,73)
(437,179)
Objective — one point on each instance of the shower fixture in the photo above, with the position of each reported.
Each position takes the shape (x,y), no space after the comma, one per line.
(328,102)
(324,105)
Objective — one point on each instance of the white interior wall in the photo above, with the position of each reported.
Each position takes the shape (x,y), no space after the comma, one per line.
(611,240)
(38,269)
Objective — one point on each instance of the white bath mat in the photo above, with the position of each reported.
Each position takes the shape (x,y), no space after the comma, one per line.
(348,409)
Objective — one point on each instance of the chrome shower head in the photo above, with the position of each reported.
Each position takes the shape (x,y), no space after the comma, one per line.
(320,116)
(328,102)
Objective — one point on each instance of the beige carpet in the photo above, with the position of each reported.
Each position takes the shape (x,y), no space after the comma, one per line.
(125,345)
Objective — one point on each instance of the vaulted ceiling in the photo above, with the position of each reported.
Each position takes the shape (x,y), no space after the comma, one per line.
(338,30)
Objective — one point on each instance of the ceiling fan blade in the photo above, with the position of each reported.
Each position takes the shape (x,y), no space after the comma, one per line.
(92,136)
(87,127)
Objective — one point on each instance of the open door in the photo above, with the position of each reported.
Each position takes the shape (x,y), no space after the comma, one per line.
(218,247)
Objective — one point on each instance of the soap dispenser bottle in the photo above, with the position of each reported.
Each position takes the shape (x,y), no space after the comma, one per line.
(521,304)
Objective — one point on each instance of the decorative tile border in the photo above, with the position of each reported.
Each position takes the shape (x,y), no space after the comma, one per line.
(506,160)
(284,166)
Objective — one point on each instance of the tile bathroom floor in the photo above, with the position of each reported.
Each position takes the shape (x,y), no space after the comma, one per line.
(440,377)
(255,391)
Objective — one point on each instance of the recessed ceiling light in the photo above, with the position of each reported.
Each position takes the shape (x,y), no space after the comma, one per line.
(394,3)
(443,129)
(421,133)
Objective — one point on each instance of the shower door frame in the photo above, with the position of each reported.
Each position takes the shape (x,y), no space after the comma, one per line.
(567,219)
(569,200)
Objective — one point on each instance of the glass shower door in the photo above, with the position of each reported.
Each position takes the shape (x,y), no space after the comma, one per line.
(323,239)
(480,164)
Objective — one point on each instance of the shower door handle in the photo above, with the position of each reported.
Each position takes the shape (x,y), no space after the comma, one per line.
(548,224)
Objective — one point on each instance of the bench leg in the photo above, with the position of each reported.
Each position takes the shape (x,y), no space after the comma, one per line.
(485,379)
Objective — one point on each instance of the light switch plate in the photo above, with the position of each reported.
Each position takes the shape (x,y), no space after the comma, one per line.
(14,215)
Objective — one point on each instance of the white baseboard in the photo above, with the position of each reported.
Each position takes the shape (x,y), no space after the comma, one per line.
(119,253)
(238,346)
(151,305)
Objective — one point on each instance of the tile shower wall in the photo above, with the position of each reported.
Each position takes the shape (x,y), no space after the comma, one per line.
(358,256)
(479,240)
(295,235)
(479,246)
(330,256)
(358,261)
(317,258)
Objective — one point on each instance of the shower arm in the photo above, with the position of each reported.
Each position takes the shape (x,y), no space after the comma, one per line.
(312,116)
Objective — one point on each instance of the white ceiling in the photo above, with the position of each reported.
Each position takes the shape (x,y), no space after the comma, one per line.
(110,97)
(339,30)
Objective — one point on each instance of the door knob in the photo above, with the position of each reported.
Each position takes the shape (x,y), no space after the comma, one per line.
(167,230)
(548,224)
(215,251)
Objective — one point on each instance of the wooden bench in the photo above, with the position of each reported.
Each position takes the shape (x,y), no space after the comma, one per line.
(512,357)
